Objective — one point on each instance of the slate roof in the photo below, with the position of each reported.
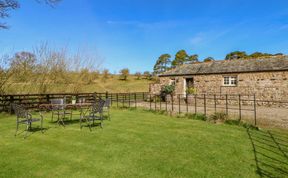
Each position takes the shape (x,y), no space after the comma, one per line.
(231,66)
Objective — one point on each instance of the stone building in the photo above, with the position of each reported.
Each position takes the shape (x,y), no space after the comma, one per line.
(266,78)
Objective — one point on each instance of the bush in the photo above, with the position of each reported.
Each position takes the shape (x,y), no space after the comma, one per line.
(191,90)
(218,116)
(196,116)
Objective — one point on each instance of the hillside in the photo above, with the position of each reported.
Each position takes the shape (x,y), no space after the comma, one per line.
(112,84)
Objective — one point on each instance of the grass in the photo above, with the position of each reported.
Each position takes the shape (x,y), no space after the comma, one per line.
(137,143)
(112,84)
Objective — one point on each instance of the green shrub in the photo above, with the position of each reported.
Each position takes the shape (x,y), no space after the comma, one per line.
(191,90)
(218,116)
(196,116)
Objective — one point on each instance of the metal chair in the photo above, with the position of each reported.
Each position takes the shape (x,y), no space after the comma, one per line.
(23,116)
(92,114)
(58,108)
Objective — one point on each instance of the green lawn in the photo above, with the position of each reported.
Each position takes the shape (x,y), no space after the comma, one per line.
(142,144)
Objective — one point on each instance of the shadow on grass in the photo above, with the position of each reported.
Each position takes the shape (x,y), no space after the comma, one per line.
(31,131)
(270,152)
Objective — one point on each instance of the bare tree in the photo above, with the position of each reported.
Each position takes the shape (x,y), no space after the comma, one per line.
(8,5)
(5,73)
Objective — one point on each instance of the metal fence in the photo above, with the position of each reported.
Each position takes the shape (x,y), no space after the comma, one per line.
(242,107)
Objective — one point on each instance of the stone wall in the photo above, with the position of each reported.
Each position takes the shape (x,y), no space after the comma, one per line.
(265,85)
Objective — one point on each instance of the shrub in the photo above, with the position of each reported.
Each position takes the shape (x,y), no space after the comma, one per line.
(191,90)
(196,116)
(218,116)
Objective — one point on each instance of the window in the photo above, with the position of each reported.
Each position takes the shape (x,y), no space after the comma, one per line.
(172,82)
(230,81)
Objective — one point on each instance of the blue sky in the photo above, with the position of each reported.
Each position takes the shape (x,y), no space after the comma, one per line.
(134,33)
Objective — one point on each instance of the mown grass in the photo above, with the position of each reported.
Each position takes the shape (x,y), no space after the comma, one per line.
(137,143)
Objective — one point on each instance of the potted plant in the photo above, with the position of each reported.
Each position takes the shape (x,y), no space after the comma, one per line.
(73,99)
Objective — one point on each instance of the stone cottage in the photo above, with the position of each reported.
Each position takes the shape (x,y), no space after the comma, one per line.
(266,78)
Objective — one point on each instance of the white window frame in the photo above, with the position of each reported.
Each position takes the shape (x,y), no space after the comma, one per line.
(230,81)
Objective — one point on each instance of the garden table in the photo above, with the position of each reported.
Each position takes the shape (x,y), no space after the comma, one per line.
(49,107)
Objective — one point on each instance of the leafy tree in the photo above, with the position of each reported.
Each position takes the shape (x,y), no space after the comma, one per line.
(236,55)
(162,64)
(193,58)
(7,5)
(138,75)
(180,58)
(124,74)
(208,59)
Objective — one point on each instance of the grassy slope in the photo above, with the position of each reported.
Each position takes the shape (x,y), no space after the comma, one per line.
(133,144)
(112,84)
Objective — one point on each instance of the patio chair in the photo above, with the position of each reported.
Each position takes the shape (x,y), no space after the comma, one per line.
(58,108)
(106,108)
(23,116)
(92,114)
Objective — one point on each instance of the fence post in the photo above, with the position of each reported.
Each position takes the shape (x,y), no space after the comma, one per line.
(215,103)
(166,102)
(150,100)
(179,102)
(160,100)
(135,97)
(117,99)
(129,94)
(255,119)
(240,114)
(187,110)
(123,99)
(143,96)
(11,101)
(205,112)
(195,98)
(172,103)
(155,102)
(106,94)
(226,98)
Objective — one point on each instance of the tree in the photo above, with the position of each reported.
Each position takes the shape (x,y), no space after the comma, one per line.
(209,59)
(147,75)
(162,64)
(236,55)
(124,74)
(180,58)
(105,75)
(22,65)
(193,58)
(7,5)
(138,75)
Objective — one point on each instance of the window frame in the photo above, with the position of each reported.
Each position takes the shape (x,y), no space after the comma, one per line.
(230,81)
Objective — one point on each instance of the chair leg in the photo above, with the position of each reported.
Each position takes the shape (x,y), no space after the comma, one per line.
(27,130)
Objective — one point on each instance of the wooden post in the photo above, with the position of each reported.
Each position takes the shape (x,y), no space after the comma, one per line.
(160,102)
(172,103)
(11,102)
(135,98)
(123,95)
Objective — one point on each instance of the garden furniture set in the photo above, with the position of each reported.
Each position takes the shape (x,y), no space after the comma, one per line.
(89,113)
